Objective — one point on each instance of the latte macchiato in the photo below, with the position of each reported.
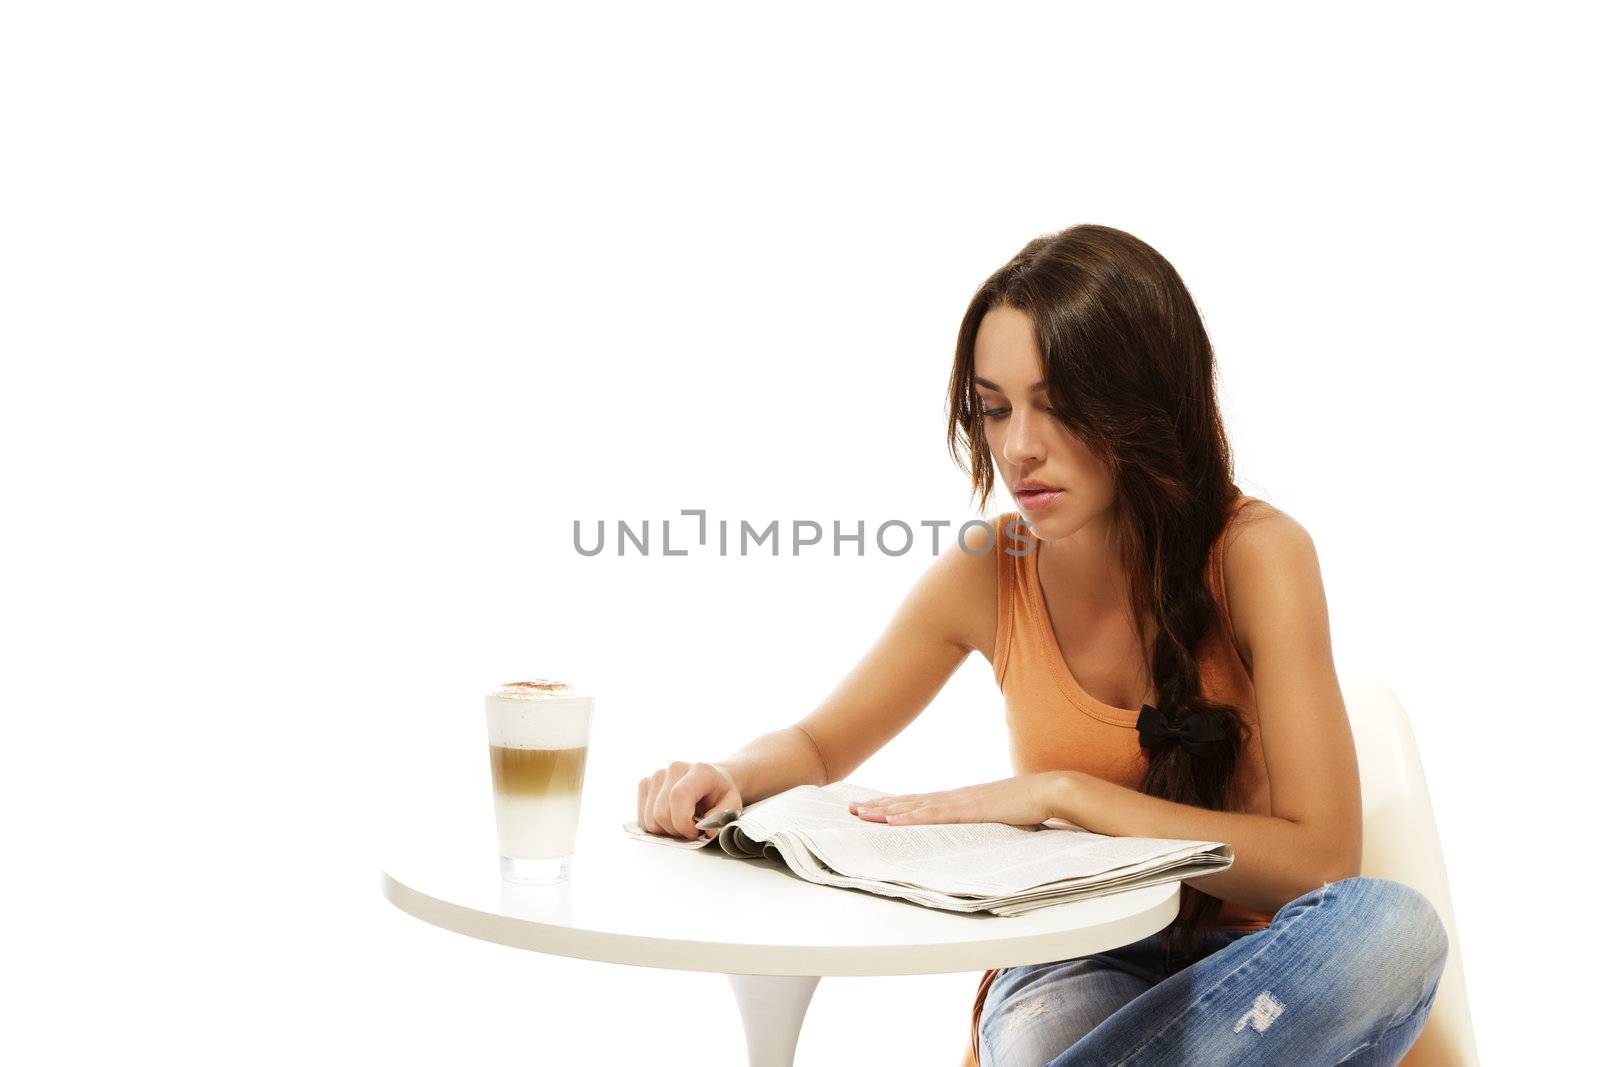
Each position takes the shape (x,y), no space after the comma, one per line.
(538,746)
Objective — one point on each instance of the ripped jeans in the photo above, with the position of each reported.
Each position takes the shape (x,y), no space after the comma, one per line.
(1345,974)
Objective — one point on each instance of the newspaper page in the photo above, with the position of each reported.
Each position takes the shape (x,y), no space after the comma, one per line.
(956,866)
(992,859)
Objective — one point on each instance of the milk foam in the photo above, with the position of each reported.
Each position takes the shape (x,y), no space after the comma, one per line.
(539,714)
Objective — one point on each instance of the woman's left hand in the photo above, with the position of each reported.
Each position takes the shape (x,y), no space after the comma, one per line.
(1023,801)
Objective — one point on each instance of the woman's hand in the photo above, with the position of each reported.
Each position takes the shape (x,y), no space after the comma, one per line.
(678,795)
(1023,801)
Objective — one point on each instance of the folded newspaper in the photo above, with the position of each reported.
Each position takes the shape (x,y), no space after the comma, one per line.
(967,867)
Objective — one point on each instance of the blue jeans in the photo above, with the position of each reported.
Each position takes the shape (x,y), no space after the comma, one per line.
(1345,974)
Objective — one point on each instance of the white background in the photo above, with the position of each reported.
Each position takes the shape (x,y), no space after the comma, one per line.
(323,322)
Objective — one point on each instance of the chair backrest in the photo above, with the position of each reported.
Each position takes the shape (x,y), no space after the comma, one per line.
(1401,843)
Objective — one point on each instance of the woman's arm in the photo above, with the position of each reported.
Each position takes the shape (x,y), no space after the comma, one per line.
(948,613)
(1313,833)
(774,762)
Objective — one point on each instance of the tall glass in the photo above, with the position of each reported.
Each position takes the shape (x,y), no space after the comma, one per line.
(538,746)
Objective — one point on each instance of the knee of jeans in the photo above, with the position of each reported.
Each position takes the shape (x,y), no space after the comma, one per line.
(1031,1017)
(1008,1034)
(1400,928)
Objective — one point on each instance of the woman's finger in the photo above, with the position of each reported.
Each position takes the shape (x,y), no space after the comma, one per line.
(920,802)
(662,808)
(878,813)
(891,802)
(681,803)
(921,815)
(898,813)
(649,823)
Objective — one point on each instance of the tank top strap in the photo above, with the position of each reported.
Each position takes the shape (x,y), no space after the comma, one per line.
(1011,537)
(1014,543)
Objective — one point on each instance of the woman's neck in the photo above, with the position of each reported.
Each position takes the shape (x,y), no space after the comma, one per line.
(1084,572)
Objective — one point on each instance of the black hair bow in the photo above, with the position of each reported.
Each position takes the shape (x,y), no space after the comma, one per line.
(1200,733)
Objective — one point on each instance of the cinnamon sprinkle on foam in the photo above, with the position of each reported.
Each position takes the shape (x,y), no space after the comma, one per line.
(539,689)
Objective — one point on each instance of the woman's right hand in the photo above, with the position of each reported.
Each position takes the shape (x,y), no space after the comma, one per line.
(675,797)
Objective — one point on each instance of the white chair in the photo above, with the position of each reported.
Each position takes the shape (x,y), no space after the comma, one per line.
(1400,841)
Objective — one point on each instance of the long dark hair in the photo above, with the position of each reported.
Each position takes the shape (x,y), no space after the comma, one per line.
(1130,371)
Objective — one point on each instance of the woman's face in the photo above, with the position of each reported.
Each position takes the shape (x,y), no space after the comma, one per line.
(1027,444)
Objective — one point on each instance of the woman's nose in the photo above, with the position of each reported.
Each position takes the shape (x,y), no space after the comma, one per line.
(1023,441)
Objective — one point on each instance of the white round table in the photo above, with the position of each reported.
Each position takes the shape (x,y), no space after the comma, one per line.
(774,934)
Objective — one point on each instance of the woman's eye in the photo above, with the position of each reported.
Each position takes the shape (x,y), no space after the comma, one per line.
(998,412)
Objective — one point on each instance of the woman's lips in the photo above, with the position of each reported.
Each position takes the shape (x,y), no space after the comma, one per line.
(1037,499)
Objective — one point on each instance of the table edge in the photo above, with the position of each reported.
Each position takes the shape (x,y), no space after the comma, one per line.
(790,960)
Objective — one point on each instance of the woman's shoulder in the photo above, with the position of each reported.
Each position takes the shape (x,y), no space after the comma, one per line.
(1260,525)
(1246,509)
(1263,547)
(964,582)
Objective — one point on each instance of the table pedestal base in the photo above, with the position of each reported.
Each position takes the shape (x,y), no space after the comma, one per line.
(773,1007)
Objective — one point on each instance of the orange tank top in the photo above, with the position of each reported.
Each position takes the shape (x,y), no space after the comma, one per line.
(1054,724)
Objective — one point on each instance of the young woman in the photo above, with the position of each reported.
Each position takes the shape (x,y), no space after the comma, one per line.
(1162,644)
